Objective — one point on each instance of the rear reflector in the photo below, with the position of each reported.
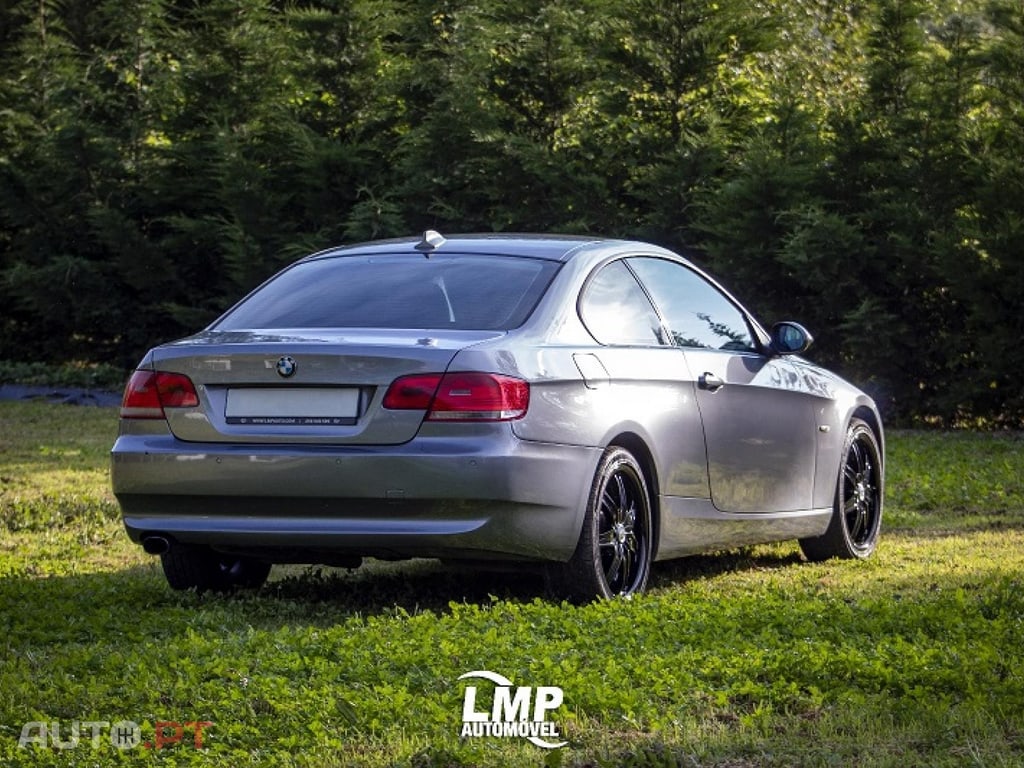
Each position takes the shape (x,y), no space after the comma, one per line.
(149,392)
(461,396)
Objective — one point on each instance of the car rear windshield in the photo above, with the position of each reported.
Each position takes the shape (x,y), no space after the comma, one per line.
(457,291)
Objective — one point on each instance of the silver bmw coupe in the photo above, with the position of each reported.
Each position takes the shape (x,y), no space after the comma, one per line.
(581,405)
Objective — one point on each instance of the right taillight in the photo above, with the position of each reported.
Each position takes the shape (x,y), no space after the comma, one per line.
(149,392)
(462,396)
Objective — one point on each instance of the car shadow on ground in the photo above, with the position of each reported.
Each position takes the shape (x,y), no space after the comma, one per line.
(380,587)
(137,601)
(756,558)
(422,585)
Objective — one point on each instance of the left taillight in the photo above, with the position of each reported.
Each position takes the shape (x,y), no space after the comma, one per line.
(149,392)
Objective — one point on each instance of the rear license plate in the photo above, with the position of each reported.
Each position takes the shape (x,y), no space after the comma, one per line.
(293,406)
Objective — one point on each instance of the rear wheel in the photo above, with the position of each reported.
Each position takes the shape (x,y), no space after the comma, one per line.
(857,510)
(613,556)
(202,569)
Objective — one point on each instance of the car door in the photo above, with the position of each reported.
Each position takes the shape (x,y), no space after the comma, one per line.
(759,430)
(650,391)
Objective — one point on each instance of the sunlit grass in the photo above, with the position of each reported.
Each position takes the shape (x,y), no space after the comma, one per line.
(959,479)
(746,658)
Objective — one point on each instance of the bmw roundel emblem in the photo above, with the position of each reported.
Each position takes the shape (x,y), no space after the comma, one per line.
(286,366)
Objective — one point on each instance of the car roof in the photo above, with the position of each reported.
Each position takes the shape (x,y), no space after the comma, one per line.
(537,246)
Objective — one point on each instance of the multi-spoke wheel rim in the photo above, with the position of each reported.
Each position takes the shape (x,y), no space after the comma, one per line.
(622,532)
(861,497)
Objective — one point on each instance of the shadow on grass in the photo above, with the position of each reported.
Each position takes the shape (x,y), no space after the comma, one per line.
(44,617)
(137,600)
(421,585)
(416,586)
(135,605)
(670,572)
(413,586)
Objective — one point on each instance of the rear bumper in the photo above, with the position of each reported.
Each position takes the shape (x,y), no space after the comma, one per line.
(489,496)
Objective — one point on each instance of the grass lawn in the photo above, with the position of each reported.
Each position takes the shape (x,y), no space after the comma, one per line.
(748,658)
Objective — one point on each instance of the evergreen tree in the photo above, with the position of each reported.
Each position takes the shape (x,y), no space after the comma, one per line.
(684,80)
(995,320)
(73,172)
(896,326)
(856,165)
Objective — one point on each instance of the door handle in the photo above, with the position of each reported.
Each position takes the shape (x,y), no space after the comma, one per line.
(709,382)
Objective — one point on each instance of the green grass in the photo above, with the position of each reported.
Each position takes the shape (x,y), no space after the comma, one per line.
(748,658)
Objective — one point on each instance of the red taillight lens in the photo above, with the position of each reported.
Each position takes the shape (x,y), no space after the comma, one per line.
(461,396)
(479,397)
(176,391)
(412,393)
(141,400)
(149,392)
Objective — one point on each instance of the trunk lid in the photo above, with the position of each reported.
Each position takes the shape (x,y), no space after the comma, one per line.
(321,386)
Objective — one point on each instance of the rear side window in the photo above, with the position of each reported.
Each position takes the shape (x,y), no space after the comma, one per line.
(458,292)
(616,311)
(696,312)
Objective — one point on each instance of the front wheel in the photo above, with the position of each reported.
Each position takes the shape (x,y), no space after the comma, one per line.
(857,510)
(613,556)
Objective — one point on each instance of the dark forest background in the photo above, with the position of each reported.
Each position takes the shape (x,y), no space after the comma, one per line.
(858,166)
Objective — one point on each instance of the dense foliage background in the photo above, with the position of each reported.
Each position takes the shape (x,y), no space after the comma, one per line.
(854,165)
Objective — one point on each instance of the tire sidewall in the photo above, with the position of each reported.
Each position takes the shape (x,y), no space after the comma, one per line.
(859,428)
(616,460)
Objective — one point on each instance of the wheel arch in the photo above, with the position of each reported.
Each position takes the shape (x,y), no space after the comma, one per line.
(874,421)
(845,538)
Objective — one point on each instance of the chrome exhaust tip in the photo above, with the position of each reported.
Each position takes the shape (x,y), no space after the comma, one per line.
(156,545)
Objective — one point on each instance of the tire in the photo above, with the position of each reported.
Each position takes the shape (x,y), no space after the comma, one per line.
(202,569)
(613,556)
(857,511)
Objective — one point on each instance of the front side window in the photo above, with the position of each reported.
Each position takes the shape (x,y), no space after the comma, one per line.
(696,312)
(393,291)
(616,311)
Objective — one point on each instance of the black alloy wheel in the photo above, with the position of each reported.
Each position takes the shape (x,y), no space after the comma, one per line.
(857,513)
(613,557)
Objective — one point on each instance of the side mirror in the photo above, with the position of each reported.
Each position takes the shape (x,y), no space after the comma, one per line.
(790,338)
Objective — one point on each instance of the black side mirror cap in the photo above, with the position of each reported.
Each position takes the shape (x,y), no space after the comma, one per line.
(789,338)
